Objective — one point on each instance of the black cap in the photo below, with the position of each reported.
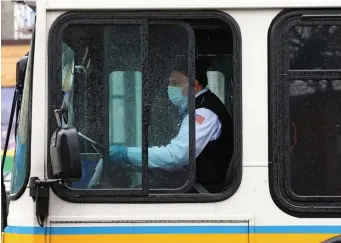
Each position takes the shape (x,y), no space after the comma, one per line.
(201,67)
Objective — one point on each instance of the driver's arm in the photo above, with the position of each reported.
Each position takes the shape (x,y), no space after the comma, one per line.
(175,154)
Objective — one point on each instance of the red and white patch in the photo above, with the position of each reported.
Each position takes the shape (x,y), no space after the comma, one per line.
(199,119)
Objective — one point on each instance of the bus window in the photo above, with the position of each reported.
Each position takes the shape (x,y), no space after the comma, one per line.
(307,131)
(220,79)
(68,63)
(20,170)
(216,83)
(134,139)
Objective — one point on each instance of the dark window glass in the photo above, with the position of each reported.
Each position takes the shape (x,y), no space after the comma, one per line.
(305,112)
(314,47)
(315,119)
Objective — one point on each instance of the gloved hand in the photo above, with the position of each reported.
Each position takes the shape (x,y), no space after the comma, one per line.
(118,154)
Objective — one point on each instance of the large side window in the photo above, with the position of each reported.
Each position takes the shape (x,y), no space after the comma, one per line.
(134,90)
(305,82)
(21,163)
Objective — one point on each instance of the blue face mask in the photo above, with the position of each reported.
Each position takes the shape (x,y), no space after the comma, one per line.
(176,97)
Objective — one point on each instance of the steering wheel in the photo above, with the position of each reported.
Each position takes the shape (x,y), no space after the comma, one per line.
(117,174)
(121,170)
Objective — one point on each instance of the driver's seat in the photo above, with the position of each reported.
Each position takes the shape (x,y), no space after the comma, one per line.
(228,179)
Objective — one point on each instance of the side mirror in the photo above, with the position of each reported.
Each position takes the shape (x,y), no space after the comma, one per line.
(64,154)
(20,71)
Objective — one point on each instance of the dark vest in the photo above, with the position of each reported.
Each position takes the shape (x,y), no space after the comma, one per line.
(213,161)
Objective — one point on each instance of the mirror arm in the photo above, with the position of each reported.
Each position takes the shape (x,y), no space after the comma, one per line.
(40,193)
(57,114)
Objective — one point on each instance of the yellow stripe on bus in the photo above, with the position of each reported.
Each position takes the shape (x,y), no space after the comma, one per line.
(171,238)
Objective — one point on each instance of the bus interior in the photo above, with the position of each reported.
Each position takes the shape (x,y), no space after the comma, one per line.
(98,53)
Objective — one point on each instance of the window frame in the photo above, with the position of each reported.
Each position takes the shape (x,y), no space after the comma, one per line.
(109,195)
(143,191)
(278,76)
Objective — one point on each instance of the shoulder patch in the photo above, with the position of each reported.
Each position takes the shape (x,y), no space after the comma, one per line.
(199,119)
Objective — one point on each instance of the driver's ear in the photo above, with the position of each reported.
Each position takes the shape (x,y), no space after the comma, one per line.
(197,86)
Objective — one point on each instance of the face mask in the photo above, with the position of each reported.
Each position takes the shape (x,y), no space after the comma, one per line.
(175,96)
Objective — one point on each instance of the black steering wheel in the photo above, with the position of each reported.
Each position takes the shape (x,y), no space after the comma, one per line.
(116,175)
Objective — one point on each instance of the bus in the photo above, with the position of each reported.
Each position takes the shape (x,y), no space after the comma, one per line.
(97,75)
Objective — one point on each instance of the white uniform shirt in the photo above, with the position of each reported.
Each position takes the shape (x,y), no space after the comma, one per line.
(176,154)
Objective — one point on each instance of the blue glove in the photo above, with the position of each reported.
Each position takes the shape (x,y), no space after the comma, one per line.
(118,154)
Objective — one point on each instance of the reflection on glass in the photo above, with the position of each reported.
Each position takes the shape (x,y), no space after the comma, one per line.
(122,49)
(315,137)
(106,63)
(68,69)
(220,79)
(6,104)
(125,123)
(22,149)
(314,47)
(101,77)
(168,152)
(216,83)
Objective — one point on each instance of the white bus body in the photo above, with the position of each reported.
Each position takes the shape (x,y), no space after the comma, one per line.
(252,213)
